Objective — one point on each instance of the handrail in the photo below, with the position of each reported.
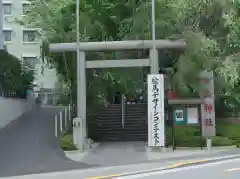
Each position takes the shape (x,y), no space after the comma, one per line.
(123,109)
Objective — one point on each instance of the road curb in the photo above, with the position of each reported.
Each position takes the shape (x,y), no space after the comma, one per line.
(170,167)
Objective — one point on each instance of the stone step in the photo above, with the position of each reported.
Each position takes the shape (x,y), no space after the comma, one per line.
(110,123)
(124,138)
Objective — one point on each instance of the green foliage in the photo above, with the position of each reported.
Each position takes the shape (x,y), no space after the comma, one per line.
(67,143)
(222,141)
(229,130)
(188,136)
(210,28)
(14,77)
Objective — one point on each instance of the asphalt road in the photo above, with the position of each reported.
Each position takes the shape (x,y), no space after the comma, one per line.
(220,170)
(28,145)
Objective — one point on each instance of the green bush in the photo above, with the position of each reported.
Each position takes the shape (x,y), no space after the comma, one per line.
(222,141)
(186,136)
(67,143)
(231,131)
(237,142)
(14,77)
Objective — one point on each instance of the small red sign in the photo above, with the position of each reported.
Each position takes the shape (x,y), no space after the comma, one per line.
(208,108)
(171,95)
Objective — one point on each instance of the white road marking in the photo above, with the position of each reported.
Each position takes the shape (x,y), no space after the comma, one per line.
(232,169)
(179,169)
(102,170)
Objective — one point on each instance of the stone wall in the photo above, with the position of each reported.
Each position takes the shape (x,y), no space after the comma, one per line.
(11,109)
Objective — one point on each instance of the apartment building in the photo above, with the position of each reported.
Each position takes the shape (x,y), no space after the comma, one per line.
(24,43)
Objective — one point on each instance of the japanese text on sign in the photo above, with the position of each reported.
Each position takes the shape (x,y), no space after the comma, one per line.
(155,101)
(207,108)
(155,110)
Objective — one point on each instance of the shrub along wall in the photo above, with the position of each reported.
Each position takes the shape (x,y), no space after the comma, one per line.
(15,78)
(188,136)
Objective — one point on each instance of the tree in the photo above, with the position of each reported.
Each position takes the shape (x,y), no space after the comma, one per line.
(14,77)
(210,28)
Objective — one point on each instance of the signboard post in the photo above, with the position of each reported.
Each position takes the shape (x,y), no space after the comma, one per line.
(208,107)
(156,131)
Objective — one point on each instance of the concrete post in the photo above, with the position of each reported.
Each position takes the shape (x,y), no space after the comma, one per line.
(54,98)
(66,118)
(75,134)
(81,90)
(78,138)
(45,98)
(69,114)
(56,126)
(209,144)
(154,61)
(61,122)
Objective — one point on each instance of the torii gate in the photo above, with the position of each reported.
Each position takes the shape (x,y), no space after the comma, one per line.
(152,61)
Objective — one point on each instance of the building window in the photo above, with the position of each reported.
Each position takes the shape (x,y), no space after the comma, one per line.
(29,36)
(7,35)
(25,8)
(30,62)
(7,9)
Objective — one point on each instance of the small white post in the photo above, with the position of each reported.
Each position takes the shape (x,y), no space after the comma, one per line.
(65,118)
(74,132)
(69,113)
(209,144)
(56,126)
(46,98)
(54,98)
(61,121)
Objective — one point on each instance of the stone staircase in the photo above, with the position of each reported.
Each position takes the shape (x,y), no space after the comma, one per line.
(111,127)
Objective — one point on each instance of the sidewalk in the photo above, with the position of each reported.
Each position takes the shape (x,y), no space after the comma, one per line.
(131,153)
(78,156)
(185,152)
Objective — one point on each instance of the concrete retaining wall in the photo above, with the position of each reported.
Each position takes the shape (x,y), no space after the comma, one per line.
(11,109)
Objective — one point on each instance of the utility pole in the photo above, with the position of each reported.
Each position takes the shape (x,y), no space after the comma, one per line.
(154,51)
(78,55)
(81,81)
(153,28)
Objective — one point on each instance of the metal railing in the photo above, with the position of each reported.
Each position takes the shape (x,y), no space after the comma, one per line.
(123,101)
(63,121)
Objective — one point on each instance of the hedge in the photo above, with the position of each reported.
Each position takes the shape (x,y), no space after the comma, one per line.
(187,136)
(15,78)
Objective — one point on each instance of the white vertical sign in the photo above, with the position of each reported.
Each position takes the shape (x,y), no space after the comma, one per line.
(208,108)
(156,132)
